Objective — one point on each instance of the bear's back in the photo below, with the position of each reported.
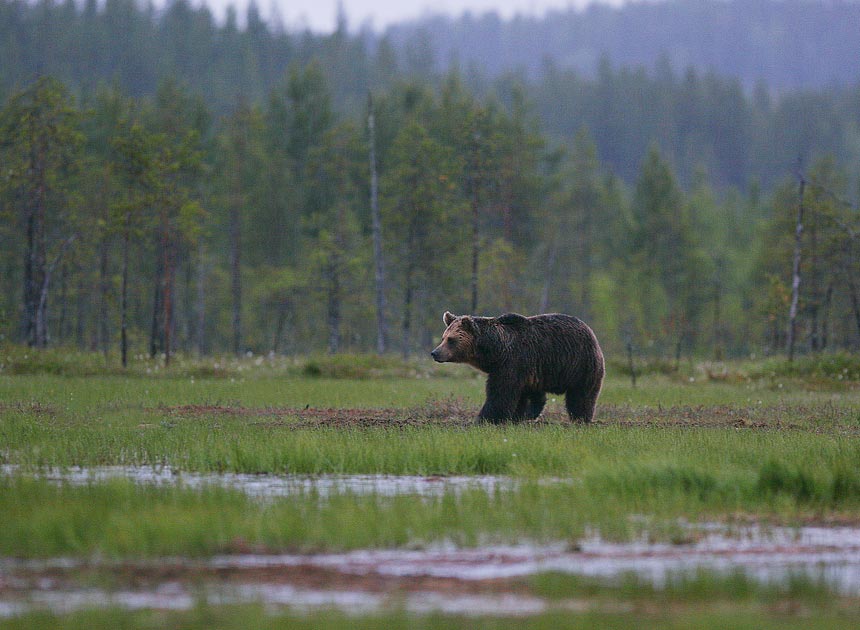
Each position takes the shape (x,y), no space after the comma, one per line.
(558,349)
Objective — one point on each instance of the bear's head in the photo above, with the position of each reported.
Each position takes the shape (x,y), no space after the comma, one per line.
(459,341)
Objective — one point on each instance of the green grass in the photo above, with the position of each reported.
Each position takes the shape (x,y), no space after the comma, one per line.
(701,585)
(262,443)
(121,519)
(722,442)
(69,394)
(678,445)
(705,617)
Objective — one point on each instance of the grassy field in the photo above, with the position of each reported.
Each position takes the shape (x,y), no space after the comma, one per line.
(755,441)
(678,445)
(243,617)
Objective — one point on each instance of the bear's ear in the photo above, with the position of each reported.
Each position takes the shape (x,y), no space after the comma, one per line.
(469,325)
(448,317)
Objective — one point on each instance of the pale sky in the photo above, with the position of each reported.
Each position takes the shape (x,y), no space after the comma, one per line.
(320,15)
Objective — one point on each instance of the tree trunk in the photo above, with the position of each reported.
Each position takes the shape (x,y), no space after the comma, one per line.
(40,285)
(630,364)
(795,275)
(167,292)
(80,311)
(61,325)
(155,338)
(408,293)
(333,311)
(379,262)
(547,281)
(35,309)
(855,302)
(335,269)
(29,320)
(852,288)
(42,314)
(123,300)
(474,195)
(719,350)
(188,318)
(201,300)
(825,318)
(280,323)
(103,332)
(42,307)
(585,262)
(407,315)
(814,290)
(236,276)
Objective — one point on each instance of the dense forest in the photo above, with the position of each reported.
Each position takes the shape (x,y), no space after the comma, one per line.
(169,184)
(786,44)
(742,135)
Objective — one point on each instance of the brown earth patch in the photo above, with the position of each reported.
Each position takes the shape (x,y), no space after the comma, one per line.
(29,407)
(817,419)
(144,575)
(449,412)
(456,413)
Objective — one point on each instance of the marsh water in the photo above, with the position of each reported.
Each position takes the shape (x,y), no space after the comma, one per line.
(474,580)
(273,486)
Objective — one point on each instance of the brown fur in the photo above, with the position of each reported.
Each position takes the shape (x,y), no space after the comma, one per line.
(524,358)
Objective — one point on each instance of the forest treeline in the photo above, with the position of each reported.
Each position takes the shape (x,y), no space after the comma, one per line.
(184,185)
(743,134)
(148,225)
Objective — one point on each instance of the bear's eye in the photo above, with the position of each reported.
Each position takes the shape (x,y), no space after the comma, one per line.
(452,341)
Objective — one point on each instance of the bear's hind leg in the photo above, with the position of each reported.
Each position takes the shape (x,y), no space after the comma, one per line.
(536,402)
(580,405)
(523,407)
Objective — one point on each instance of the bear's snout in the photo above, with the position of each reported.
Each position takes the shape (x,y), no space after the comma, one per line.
(441,354)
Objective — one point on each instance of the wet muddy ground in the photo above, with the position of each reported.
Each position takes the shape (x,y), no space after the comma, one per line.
(442,578)
(484,580)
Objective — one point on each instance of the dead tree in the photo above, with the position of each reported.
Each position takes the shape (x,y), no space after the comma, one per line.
(474,195)
(123,301)
(236,275)
(379,261)
(795,274)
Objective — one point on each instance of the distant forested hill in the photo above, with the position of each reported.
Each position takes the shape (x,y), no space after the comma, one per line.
(785,43)
(700,119)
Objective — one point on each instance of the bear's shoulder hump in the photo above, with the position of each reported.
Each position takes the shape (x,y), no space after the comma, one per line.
(512,319)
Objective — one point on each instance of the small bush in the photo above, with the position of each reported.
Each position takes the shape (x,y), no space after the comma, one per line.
(59,362)
(845,487)
(356,366)
(643,366)
(777,478)
(839,366)
(651,479)
(365,366)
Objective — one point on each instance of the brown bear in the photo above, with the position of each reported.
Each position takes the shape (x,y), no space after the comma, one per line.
(525,357)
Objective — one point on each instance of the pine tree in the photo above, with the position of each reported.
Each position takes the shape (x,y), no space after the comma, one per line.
(40,143)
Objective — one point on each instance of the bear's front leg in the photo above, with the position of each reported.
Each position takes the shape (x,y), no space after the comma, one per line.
(502,400)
